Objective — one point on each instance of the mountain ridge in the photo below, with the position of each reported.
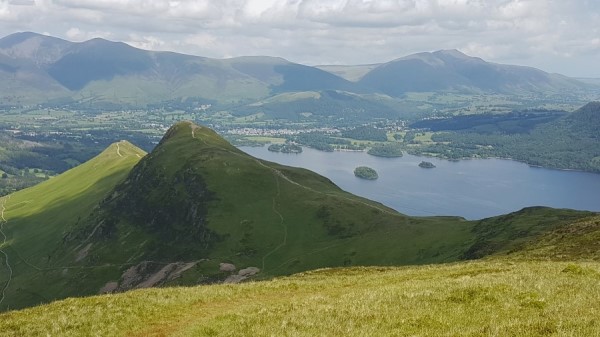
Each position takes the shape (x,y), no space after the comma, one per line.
(452,70)
(98,67)
(127,219)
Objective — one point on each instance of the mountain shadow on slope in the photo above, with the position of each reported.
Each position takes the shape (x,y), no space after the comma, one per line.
(98,59)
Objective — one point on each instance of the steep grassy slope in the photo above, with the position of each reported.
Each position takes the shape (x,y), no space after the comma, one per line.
(196,202)
(193,203)
(579,240)
(492,298)
(197,197)
(549,286)
(35,221)
(515,231)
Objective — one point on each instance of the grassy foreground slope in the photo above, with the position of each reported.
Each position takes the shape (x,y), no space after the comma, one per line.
(35,221)
(548,287)
(486,298)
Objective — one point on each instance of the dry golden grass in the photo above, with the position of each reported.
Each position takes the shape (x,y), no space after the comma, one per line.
(485,298)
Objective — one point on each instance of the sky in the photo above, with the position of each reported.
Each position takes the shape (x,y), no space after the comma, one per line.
(561,36)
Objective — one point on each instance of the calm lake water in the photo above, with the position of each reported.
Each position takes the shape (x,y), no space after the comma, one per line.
(473,189)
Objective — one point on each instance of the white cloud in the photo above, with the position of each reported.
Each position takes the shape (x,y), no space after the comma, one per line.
(22,2)
(551,34)
(77,35)
(4,10)
(148,42)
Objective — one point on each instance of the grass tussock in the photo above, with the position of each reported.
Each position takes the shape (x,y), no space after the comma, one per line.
(488,298)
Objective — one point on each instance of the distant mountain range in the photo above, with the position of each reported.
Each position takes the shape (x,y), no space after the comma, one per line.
(36,68)
(451,70)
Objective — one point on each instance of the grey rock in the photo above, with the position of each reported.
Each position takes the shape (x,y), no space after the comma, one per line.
(248,271)
(226,267)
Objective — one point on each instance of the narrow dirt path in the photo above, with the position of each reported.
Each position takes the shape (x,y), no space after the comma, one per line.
(5,199)
(282,223)
(10,271)
(194,128)
(276,175)
(119,150)
(279,174)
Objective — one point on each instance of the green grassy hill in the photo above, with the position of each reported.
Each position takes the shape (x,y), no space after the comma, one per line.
(579,240)
(193,203)
(550,286)
(489,298)
(36,219)
(198,210)
(198,200)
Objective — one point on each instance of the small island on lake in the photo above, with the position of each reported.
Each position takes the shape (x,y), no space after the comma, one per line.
(365,172)
(285,148)
(426,164)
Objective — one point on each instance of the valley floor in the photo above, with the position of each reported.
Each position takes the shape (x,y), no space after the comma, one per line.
(485,298)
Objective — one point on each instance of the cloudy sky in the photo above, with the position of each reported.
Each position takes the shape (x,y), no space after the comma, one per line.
(555,35)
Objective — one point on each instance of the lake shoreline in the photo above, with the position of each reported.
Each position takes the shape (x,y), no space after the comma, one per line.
(472,189)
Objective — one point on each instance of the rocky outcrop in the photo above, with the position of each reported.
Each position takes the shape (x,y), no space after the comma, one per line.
(242,275)
(146,275)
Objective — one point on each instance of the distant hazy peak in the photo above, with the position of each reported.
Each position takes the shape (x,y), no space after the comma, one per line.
(426,57)
(20,37)
(439,58)
(16,38)
(40,49)
(454,53)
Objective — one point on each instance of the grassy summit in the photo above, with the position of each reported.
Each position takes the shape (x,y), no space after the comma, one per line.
(193,203)
(196,197)
(198,210)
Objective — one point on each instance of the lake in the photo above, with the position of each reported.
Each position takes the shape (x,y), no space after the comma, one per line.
(473,189)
